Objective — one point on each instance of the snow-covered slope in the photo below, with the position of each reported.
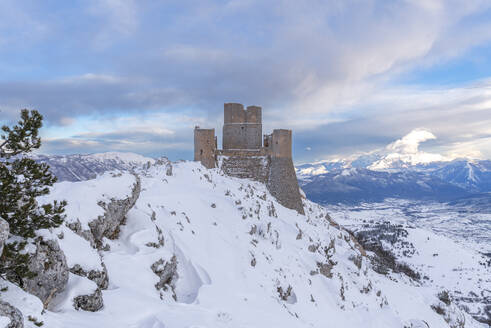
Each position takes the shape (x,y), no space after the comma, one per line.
(200,249)
(435,240)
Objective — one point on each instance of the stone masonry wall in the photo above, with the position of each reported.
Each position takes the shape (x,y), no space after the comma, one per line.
(282,183)
(242,129)
(242,136)
(205,146)
(246,167)
(277,173)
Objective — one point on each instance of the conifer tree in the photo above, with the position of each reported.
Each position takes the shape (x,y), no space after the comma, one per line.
(22,180)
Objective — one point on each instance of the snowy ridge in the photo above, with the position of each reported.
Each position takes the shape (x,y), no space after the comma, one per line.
(84,167)
(234,258)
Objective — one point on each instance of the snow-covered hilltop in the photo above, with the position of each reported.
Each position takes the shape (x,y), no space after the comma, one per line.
(178,245)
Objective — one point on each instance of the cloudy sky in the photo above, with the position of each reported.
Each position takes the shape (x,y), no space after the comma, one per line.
(347,76)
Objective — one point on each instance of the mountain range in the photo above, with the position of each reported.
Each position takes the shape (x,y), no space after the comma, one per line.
(330,182)
(375,177)
(80,167)
(401,170)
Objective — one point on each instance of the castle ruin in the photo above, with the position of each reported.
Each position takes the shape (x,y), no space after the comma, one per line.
(248,154)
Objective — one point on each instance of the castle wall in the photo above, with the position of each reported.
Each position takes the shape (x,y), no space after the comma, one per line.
(246,166)
(277,173)
(242,136)
(205,147)
(283,185)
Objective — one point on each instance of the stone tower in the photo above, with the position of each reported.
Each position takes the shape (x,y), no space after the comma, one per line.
(244,155)
(242,129)
(282,180)
(205,146)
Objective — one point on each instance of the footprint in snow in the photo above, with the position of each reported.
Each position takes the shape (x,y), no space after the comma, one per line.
(151,322)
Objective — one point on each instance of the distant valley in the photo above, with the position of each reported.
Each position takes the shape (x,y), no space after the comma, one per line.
(460,180)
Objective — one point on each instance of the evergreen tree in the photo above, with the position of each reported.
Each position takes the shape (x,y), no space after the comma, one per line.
(21,181)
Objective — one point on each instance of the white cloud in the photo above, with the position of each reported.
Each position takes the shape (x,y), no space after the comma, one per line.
(409,144)
(310,65)
(405,151)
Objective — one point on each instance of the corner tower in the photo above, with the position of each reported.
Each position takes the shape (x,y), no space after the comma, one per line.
(242,129)
(205,146)
(282,180)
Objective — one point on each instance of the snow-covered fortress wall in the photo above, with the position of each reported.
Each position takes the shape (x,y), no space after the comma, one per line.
(245,156)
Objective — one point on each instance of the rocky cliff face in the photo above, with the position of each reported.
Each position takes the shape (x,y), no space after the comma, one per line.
(72,255)
(50,268)
(13,314)
(115,211)
(4,233)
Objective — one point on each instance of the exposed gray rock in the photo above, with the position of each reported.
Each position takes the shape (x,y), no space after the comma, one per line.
(287,295)
(4,233)
(108,225)
(167,272)
(98,276)
(114,215)
(325,269)
(86,234)
(168,165)
(92,302)
(11,312)
(49,265)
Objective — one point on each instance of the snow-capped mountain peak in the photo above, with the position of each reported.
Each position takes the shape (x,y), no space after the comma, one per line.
(405,152)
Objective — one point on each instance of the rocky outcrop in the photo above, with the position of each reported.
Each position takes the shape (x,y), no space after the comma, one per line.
(167,272)
(49,265)
(11,312)
(92,302)
(108,225)
(114,215)
(98,276)
(104,226)
(4,233)
(76,227)
(164,161)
